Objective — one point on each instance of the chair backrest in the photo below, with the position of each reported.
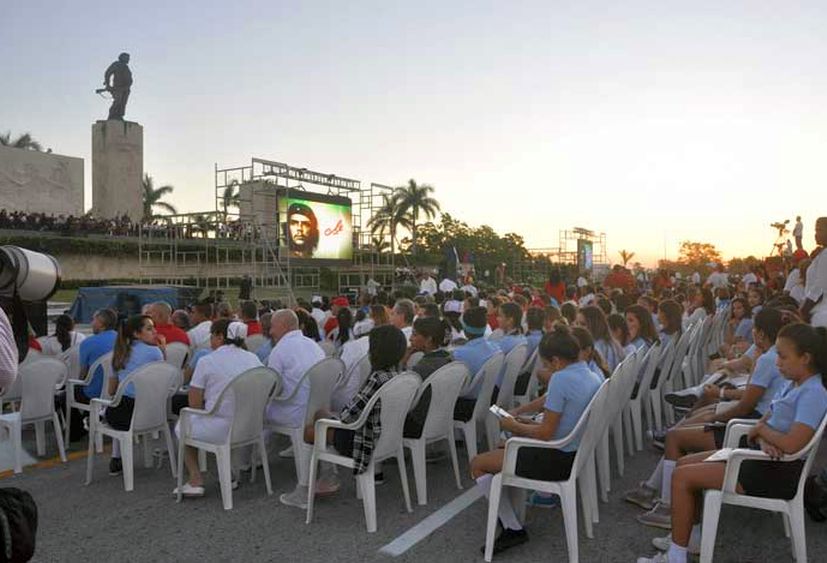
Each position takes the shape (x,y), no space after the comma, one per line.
(104,362)
(593,427)
(254,342)
(414,359)
(395,399)
(154,384)
(322,378)
(176,354)
(251,392)
(445,385)
(488,374)
(362,369)
(328,347)
(37,382)
(810,451)
(667,377)
(514,362)
(648,365)
(71,358)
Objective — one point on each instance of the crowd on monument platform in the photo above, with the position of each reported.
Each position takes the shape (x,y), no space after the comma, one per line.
(67,224)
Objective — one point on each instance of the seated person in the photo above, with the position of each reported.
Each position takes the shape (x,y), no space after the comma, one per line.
(738,330)
(161,314)
(264,350)
(588,353)
(690,435)
(592,318)
(788,425)
(510,319)
(201,317)
(249,316)
(475,352)
(137,344)
(428,336)
(571,386)
(212,374)
(64,337)
(641,328)
(620,332)
(535,320)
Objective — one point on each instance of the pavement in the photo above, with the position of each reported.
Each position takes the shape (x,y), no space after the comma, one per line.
(103,522)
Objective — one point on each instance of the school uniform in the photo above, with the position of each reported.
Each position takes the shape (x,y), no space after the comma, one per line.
(120,417)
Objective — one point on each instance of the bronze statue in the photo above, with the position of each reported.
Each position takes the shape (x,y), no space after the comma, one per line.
(117,80)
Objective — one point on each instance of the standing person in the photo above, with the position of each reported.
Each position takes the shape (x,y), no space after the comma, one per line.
(138,344)
(814,307)
(428,284)
(447,285)
(798,233)
(555,288)
(245,288)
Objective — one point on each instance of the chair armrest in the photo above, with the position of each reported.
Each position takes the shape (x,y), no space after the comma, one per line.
(321,426)
(737,428)
(102,402)
(733,466)
(185,419)
(82,382)
(513,445)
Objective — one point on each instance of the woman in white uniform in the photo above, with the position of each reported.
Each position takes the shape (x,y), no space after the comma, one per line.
(213,373)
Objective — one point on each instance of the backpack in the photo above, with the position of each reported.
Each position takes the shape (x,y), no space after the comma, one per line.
(815,497)
(18,525)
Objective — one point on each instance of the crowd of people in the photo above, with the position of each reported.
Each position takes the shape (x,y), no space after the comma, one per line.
(769,368)
(67,224)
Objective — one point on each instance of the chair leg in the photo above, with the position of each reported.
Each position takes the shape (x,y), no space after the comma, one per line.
(593,485)
(225,476)
(59,437)
(403,475)
(127,448)
(604,467)
(368,486)
(40,437)
(493,511)
(585,500)
(657,415)
(202,461)
(420,478)
(265,466)
(173,465)
(709,526)
(469,429)
(799,536)
(617,437)
(624,422)
(492,431)
(180,477)
(568,500)
(637,424)
(16,430)
(147,451)
(452,447)
(90,454)
(67,420)
(785,520)
(311,486)
(98,443)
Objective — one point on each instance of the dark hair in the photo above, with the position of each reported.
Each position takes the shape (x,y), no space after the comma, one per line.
(126,336)
(759,291)
(475,318)
(108,318)
(605,305)
(708,301)
(644,319)
(433,328)
(673,311)
(308,325)
(220,327)
(345,320)
(554,276)
(204,309)
(387,346)
(515,313)
(559,343)
(63,328)
(769,321)
(585,340)
(552,312)
(535,318)
(744,305)
(618,322)
(379,315)
(569,312)
(430,310)
(808,339)
(248,310)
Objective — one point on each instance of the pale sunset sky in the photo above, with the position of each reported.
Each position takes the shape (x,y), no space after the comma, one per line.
(652,121)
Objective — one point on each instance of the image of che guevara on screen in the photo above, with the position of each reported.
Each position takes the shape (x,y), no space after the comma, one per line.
(316,226)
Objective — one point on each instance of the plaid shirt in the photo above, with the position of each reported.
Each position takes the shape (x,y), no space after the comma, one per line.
(367,436)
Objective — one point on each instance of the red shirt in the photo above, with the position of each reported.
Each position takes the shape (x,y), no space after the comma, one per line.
(493,322)
(253,327)
(172,334)
(558,292)
(330,325)
(34,344)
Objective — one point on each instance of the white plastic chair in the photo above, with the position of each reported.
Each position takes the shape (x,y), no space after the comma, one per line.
(104,362)
(414,359)
(322,379)
(531,366)
(445,385)
(176,354)
(251,391)
(254,342)
(328,347)
(513,366)
(488,376)
(634,410)
(671,366)
(792,511)
(350,384)
(588,427)
(35,389)
(620,384)
(154,384)
(396,396)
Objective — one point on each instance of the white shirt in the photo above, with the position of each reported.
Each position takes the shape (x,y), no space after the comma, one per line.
(749,278)
(372,287)
(468,288)
(587,299)
(216,370)
(718,279)
(353,350)
(793,280)
(582,282)
(696,277)
(291,357)
(52,347)
(447,285)
(427,285)
(798,230)
(407,332)
(200,335)
(816,287)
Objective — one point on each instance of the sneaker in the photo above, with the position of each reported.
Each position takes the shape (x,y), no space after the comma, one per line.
(297,498)
(659,517)
(115,466)
(543,500)
(327,485)
(680,400)
(659,558)
(188,490)
(663,543)
(286,452)
(644,496)
(508,539)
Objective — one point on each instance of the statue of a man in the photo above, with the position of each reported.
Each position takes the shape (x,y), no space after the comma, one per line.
(118,79)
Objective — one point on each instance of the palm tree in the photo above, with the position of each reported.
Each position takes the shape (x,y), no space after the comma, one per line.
(415,199)
(231,196)
(201,223)
(388,218)
(626,256)
(153,196)
(24,141)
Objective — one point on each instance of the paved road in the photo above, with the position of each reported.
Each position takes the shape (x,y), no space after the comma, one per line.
(102,522)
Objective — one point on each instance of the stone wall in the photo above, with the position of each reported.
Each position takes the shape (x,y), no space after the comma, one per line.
(117,169)
(34,181)
(92,267)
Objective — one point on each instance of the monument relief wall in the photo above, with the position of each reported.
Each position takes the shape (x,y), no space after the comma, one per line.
(33,181)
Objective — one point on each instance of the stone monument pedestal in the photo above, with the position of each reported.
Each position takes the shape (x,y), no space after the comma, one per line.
(117,169)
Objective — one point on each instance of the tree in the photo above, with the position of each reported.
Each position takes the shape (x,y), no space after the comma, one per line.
(698,254)
(152,198)
(388,218)
(201,223)
(626,256)
(414,199)
(24,141)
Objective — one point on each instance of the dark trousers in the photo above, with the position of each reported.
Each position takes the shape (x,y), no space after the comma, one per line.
(118,107)
(76,430)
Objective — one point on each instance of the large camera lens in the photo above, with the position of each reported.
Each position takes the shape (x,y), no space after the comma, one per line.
(36,275)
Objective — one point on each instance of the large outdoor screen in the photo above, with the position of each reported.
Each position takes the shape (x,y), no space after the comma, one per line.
(584,255)
(316,227)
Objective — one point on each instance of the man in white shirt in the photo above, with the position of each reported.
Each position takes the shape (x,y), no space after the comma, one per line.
(199,334)
(292,355)
(718,279)
(582,281)
(814,307)
(428,284)
(402,316)
(469,288)
(372,287)
(447,285)
(696,277)
(318,315)
(798,233)
(749,279)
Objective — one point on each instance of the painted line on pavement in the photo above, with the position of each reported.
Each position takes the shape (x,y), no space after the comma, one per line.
(53,462)
(432,523)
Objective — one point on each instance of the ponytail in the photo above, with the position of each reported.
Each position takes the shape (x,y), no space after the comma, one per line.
(63,328)
(808,339)
(126,336)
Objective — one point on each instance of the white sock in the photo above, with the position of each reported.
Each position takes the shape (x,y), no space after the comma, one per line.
(657,476)
(666,485)
(695,536)
(676,553)
(116,448)
(505,511)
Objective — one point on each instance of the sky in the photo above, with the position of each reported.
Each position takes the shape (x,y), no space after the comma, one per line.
(654,122)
